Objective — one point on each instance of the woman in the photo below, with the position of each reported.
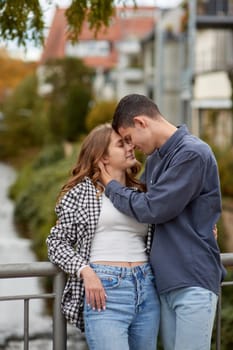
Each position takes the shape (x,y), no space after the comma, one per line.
(110,291)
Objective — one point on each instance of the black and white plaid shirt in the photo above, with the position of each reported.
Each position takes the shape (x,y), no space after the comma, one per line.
(69,243)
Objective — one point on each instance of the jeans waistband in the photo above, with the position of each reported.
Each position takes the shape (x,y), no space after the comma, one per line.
(122,271)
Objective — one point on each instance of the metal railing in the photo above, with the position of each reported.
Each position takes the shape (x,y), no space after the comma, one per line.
(227,260)
(40,269)
(43,269)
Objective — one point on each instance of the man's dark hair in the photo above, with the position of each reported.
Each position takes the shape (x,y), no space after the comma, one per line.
(131,106)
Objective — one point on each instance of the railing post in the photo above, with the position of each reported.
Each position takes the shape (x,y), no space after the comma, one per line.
(26,324)
(59,323)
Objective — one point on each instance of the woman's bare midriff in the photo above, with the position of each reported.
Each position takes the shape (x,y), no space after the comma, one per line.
(120,263)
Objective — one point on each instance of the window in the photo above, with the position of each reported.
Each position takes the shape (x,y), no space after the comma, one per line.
(89,48)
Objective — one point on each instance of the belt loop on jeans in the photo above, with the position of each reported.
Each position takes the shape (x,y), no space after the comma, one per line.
(122,274)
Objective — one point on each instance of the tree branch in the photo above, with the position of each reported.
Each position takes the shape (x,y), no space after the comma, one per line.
(22,20)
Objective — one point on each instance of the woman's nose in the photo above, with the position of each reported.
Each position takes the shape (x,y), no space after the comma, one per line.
(129,146)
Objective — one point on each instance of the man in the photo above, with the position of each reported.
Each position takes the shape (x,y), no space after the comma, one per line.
(183,201)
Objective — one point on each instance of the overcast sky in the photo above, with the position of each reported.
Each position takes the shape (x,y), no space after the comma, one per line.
(33,53)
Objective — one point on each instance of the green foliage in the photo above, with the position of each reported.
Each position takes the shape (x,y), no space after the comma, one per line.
(35,193)
(31,121)
(226,316)
(97,15)
(22,19)
(225,164)
(25,121)
(76,109)
(101,112)
(12,72)
(70,97)
(48,156)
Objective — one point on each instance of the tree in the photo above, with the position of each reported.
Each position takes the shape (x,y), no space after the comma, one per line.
(12,72)
(22,20)
(70,97)
(101,112)
(25,122)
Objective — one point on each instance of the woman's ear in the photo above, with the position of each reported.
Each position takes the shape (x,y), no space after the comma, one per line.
(104,160)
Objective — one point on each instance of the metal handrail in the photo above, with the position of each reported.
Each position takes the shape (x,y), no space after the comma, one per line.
(40,269)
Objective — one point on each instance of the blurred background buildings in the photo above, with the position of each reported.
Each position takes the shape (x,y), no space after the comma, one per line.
(181,57)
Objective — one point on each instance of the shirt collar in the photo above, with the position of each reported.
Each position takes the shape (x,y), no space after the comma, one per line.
(170,144)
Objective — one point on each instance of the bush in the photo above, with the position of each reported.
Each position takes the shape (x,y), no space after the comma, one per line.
(70,97)
(25,120)
(35,193)
(102,112)
(225,164)
(48,156)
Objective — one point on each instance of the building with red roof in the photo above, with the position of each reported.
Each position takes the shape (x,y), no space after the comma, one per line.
(114,52)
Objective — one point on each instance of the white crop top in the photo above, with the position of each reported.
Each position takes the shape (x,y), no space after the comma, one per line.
(118,237)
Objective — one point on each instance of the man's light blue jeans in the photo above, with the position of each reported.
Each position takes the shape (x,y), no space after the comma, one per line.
(132,316)
(187,318)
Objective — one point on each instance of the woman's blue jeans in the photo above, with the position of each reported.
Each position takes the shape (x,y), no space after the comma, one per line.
(187,318)
(132,316)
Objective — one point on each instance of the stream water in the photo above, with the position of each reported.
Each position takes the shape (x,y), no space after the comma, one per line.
(14,249)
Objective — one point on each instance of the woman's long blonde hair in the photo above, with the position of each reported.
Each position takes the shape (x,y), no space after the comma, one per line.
(94,147)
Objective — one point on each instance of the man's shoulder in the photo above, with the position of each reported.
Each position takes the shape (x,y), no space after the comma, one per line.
(193,149)
(194,144)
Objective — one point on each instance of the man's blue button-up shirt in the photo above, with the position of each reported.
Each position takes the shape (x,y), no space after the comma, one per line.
(183,201)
